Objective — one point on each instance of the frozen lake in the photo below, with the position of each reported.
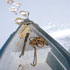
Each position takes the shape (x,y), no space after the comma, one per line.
(60,32)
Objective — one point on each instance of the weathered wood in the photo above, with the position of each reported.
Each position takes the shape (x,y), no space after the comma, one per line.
(25,41)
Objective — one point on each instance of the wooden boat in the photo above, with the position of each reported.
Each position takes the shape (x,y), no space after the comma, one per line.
(51,57)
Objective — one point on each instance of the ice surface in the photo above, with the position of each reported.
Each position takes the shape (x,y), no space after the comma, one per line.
(60,32)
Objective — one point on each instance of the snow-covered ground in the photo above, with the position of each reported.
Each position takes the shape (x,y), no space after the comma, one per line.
(60,32)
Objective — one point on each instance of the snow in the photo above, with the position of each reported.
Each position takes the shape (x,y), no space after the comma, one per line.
(60,32)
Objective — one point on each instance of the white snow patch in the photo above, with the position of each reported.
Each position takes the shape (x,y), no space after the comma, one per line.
(61,33)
